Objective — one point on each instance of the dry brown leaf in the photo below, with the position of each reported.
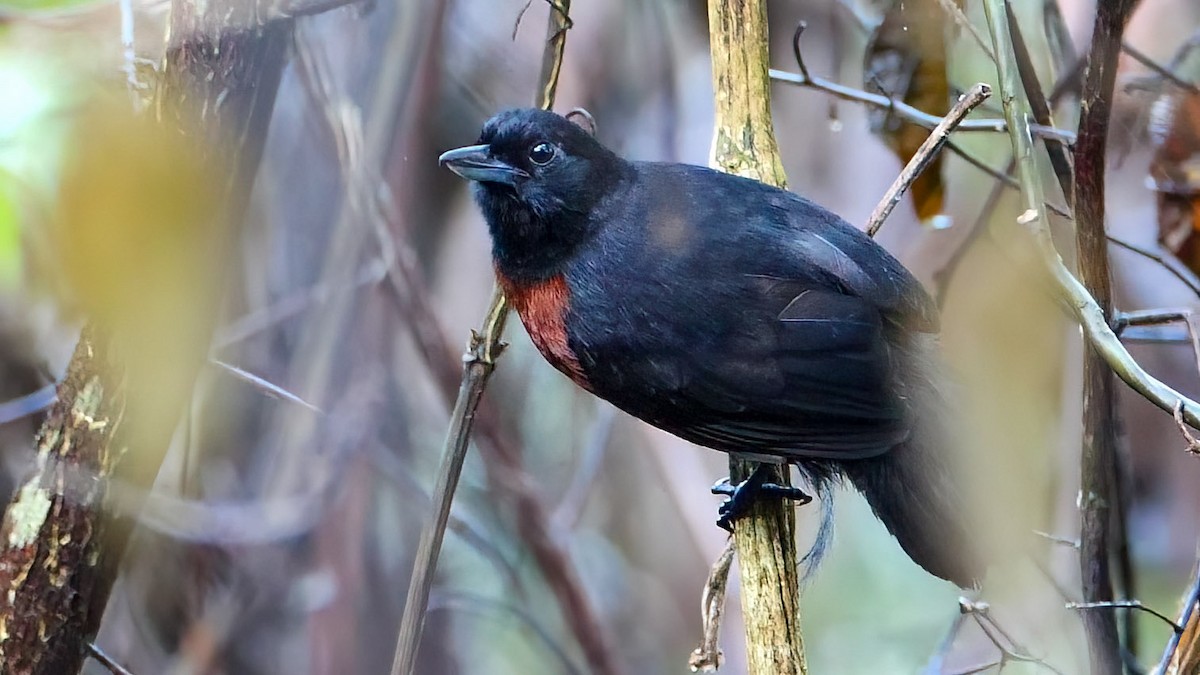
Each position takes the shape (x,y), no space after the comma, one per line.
(1175,173)
(906,60)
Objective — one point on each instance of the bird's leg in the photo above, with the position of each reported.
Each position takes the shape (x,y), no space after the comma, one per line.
(741,497)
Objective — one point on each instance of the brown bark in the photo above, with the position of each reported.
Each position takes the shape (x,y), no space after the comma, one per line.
(744,144)
(54,575)
(1099,457)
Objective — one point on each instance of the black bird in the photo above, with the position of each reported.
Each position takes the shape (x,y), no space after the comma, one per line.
(730,313)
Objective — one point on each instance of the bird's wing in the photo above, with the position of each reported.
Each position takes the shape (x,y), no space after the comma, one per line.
(846,259)
(748,318)
(813,380)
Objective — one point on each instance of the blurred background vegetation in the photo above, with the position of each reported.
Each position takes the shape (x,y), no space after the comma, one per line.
(280,533)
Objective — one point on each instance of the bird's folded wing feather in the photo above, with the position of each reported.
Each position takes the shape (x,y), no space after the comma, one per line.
(811,381)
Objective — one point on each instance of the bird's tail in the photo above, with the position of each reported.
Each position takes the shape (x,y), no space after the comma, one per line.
(918,489)
(921,504)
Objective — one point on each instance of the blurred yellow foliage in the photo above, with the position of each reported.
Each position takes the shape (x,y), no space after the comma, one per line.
(138,237)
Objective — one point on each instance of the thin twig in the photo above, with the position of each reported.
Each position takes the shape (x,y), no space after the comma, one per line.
(479,365)
(485,346)
(269,388)
(1127,604)
(1157,317)
(899,108)
(1191,604)
(708,656)
(937,661)
(943,277)
(1010,649)
(951,8)
(925,154)
(1168,261)
(29,404)
(1159,69)
(1060,161)
(1062,541)
(107,661)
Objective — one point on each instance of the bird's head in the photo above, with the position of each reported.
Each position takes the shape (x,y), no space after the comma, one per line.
(538,177)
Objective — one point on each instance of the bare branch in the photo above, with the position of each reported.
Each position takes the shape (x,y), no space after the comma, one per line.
(29,404)
(1010,649)
(899,108)
(1168,262)
(1127,604)
(1062,541)
(1100,463)
(105,660)
(708,656)
(269,388)
(1156,317)
(744,144)
(925,154)
(1187,618)
(485,347)
(1162,71)
(1040,106)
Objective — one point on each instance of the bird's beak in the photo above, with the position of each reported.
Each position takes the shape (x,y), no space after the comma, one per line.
(474,162)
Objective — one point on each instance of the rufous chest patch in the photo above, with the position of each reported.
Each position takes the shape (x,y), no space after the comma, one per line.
(543,307)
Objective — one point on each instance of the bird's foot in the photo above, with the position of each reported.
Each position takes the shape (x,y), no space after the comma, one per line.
(740,497)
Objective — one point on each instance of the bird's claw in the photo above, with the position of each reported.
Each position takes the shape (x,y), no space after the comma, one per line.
(740,497)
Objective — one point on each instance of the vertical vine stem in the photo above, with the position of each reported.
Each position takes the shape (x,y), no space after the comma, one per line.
(1098,488)
(1089,297)
(744,144)
(479,362)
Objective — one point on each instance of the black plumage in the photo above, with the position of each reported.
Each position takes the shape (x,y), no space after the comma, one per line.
(733,314)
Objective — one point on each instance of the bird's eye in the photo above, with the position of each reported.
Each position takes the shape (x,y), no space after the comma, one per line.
(541,154)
